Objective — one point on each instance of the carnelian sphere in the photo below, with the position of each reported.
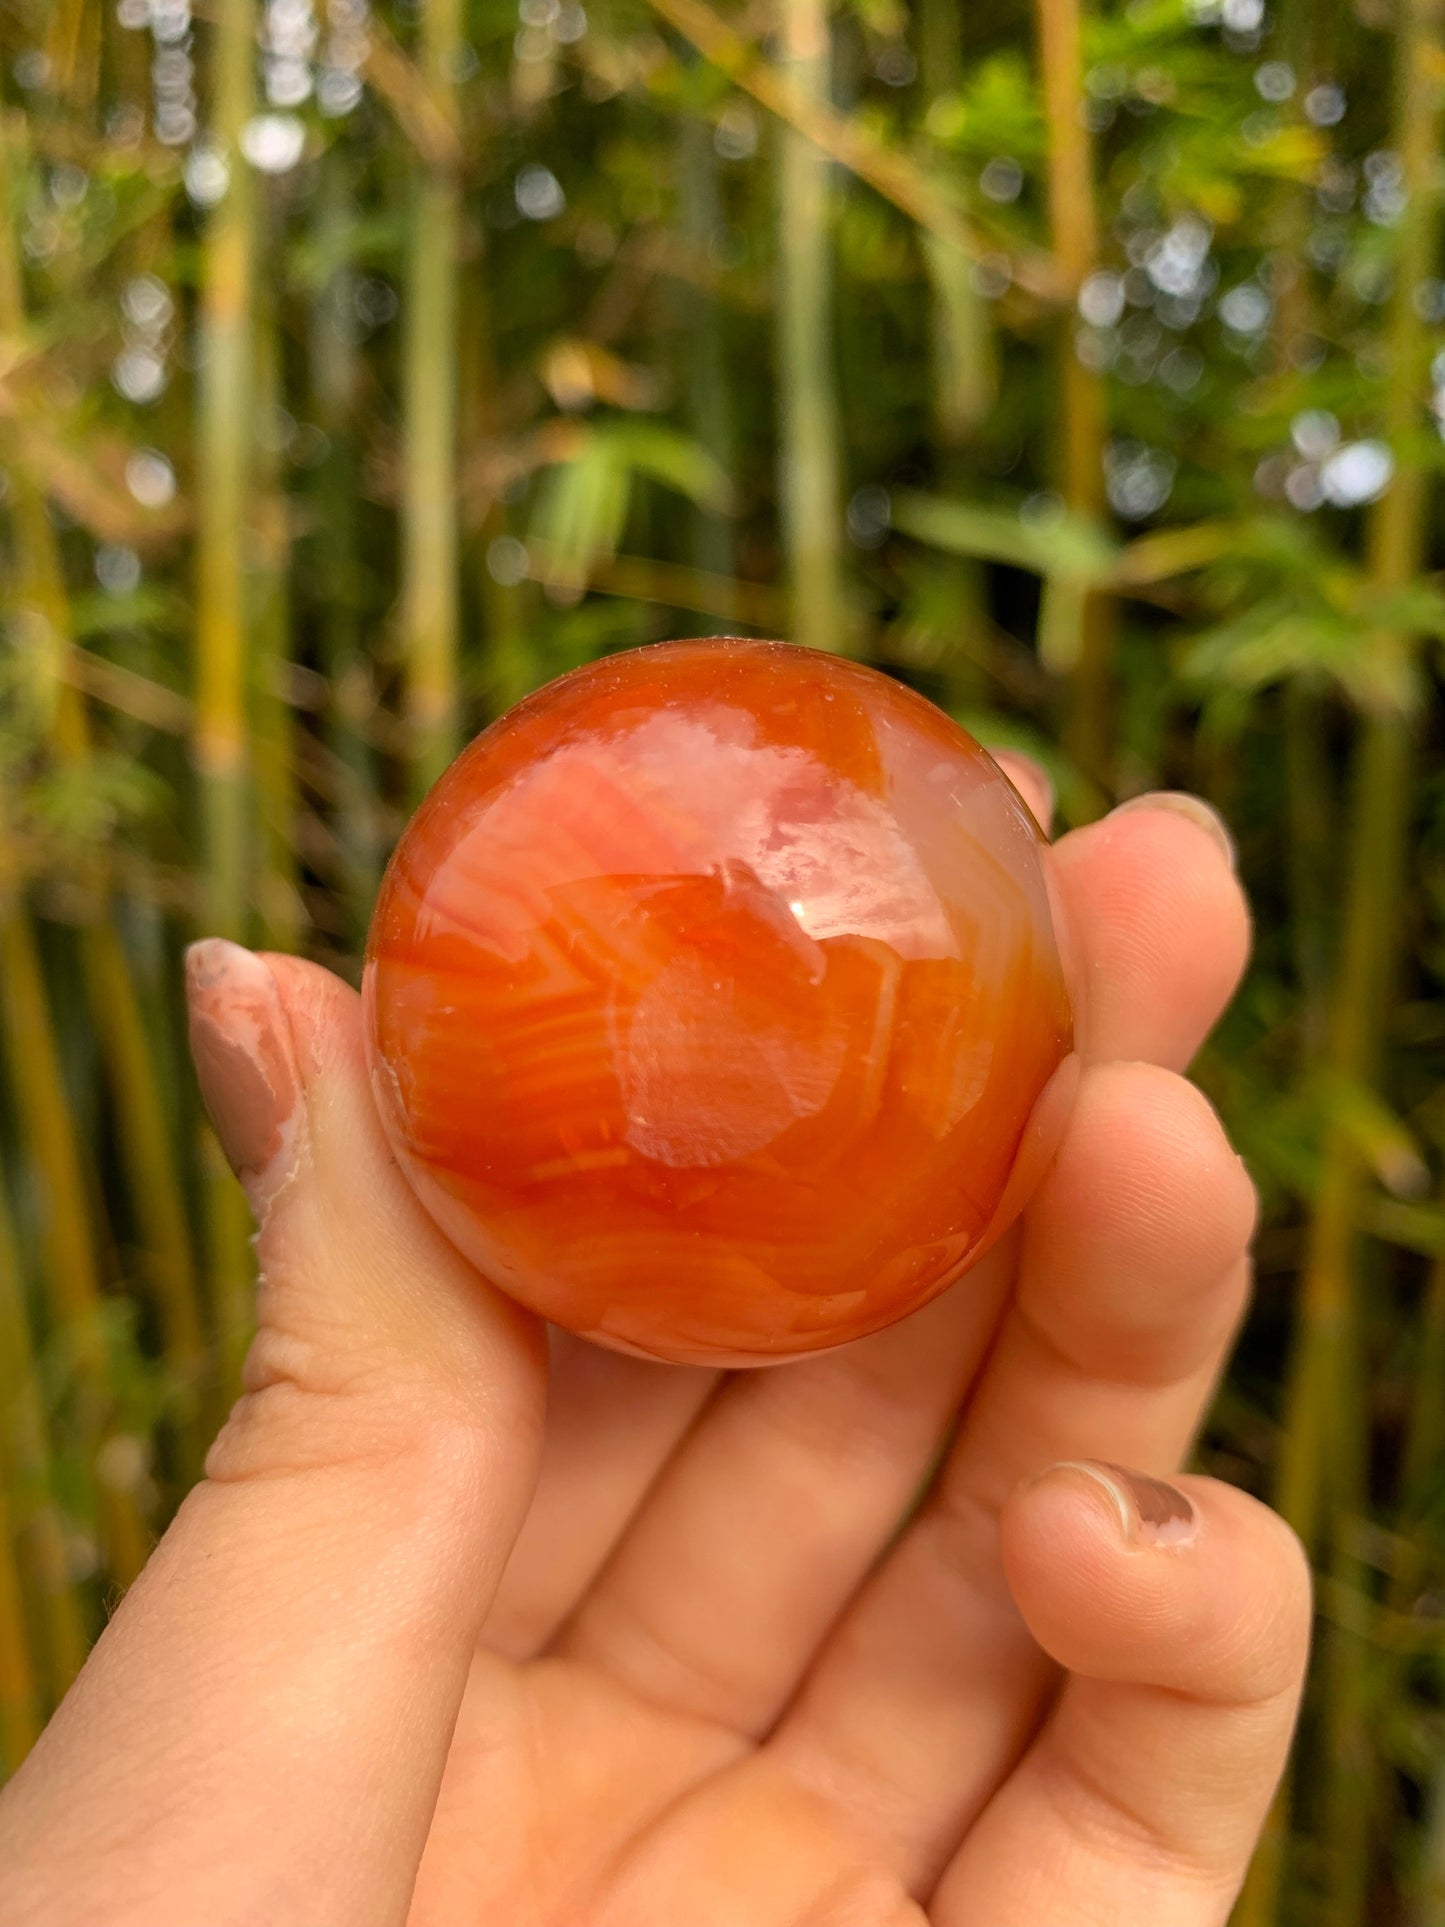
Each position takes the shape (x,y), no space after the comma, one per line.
(708,997)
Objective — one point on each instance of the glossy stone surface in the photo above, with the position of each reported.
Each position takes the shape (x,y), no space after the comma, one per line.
(708,997)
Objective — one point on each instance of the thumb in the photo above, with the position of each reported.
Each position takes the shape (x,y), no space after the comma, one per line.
(261,1731)
(373,1334)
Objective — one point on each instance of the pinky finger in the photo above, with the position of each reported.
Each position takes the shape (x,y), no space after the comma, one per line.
(1181,1615)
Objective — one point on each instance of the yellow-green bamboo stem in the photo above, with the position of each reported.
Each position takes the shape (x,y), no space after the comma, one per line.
(282,915)
(126,60)
(961,346)
(1379,815)
(1322,1456)
(146,1148)
(224,426)
(1427,1898)
(147,1152)
(810,480)
(19,1696)
(709,404)
(1351,1786)
(1424,1881)
(511,667)
(1311,813)
(1073,228)
(71,1270)
(43,1105)
(963,372)
(27,1472)
(1084,632)
(1424,1443)
(429,612)
(224,430)
(964,376)
(20,1688)
(351,696)
(73,51)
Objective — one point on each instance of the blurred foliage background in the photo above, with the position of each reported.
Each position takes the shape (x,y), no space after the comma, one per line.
(363,366)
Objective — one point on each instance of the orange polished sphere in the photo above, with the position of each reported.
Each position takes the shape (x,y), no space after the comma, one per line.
(708,997)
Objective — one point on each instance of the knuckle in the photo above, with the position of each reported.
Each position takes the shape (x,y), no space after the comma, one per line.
(1154,1844)
(309,1403)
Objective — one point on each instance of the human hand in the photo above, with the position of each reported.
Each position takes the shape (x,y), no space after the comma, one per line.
(725,1675)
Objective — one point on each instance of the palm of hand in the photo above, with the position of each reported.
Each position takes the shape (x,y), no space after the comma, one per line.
(761,1710)
(651,1758)
(717,1687)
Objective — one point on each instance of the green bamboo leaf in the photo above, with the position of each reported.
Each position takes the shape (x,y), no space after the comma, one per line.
(1413,1227)
(668,456)
(995,111)
(1166,553)
(1380,1135)
(1276,642)
(1417,610)
(1289,153)
(582,504)
(580,512)
(1063,545)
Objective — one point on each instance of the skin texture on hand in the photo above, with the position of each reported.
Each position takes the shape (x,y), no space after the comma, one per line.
(454,1633)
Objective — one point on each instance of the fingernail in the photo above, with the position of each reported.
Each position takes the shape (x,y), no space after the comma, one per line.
(1194,810)
(241,1045)
(1034,774)
(1150,1513)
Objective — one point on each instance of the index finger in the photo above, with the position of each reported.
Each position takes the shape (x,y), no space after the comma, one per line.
(1157,927)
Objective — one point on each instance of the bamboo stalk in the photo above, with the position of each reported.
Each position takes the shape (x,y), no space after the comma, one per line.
(20,1692)
(1312,823)
(148,1156)
(124,64)
(282,914)
(429,612)
(1312,812)
(962,367)
(1427,1900)
(709,406)
(19,1696)
(71,1268)
(73,51)
(964,376)
(136,1083)
(335,374)
(1323,1447)
(1424,1442)
(1351,1784)
(223,430)
(511,667)
(810,481)
(224,426)
(146,1148)
(1086,626)
(1424,1449)
(27,1470)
